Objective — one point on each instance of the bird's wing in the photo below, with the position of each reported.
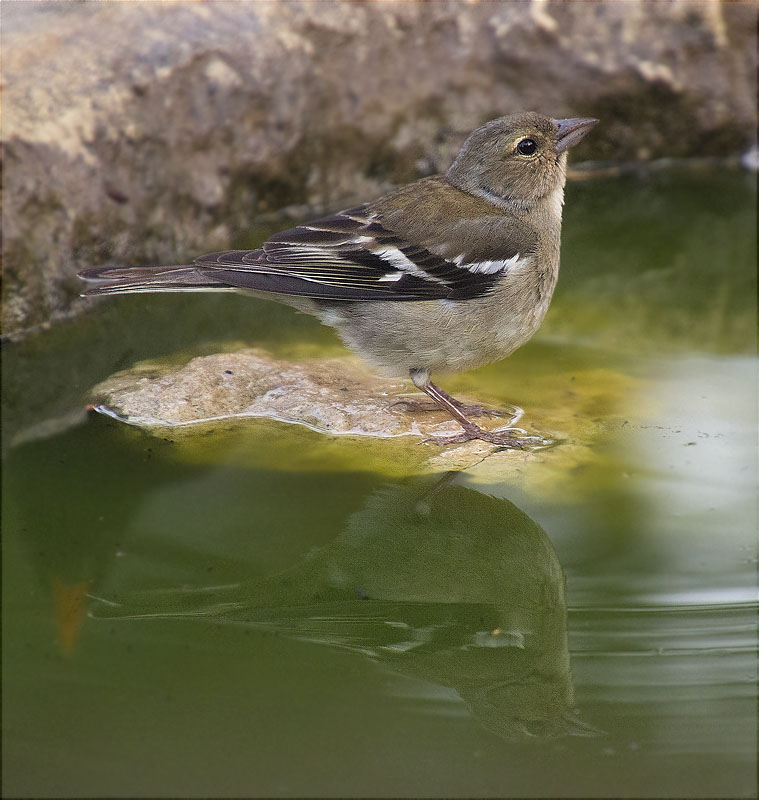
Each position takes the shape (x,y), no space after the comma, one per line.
(350,256)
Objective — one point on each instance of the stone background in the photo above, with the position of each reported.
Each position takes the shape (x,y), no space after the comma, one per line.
(151,132)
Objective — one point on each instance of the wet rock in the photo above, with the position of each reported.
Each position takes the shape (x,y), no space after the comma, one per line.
(337,396)
(224,403)
(151,132)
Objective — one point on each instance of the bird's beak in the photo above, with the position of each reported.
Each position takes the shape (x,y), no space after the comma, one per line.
(571,131)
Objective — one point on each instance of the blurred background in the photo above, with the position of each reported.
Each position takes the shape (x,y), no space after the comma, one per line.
(259,609)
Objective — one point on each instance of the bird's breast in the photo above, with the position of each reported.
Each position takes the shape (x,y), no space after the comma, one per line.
(450,336)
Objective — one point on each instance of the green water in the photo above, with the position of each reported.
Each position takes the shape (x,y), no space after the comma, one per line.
(266,611)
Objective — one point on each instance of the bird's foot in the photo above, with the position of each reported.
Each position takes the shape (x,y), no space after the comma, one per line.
(467,409)
(505,437)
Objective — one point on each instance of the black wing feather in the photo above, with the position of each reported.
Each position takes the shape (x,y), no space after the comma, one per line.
(349,256)
(340,257)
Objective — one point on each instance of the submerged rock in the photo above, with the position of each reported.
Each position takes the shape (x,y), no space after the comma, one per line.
(336,396)
(226,407)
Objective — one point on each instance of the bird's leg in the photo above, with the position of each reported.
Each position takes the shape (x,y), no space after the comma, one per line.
(421,379)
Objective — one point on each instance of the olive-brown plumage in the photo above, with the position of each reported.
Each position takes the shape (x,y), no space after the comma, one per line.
(444,274)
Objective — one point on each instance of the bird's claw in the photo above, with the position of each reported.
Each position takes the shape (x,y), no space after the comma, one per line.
(503,438)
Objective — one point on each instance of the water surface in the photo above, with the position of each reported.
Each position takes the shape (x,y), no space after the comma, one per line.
(263,610)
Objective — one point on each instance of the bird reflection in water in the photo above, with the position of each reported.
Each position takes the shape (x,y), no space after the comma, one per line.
(442,583)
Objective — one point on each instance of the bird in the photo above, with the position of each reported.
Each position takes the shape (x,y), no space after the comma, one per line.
(444,274)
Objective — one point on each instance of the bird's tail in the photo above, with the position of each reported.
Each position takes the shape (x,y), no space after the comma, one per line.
(126,280)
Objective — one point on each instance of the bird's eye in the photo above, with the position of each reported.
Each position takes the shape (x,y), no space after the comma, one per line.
(527,147)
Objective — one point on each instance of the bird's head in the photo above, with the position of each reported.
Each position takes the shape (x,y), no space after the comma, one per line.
(517,159)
